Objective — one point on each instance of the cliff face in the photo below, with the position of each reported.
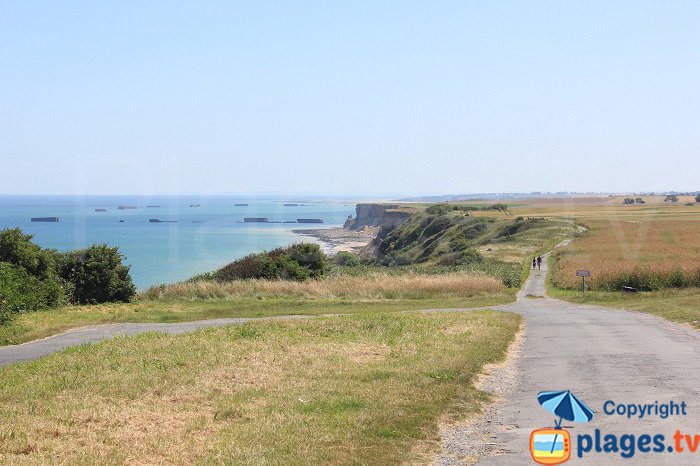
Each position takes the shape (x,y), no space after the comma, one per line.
(378,215)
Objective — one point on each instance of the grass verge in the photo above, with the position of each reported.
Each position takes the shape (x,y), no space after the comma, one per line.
(679,306)
(360,389)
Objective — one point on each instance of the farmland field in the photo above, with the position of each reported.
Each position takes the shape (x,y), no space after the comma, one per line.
(647,255)
(650,246)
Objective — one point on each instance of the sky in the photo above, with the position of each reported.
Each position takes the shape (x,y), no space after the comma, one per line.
(389,97)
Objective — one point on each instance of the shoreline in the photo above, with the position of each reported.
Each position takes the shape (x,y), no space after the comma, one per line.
(336,239)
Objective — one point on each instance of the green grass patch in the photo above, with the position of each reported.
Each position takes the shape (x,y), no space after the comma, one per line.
(361,389)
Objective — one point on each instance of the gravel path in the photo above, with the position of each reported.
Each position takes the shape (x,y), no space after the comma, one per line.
(599,354)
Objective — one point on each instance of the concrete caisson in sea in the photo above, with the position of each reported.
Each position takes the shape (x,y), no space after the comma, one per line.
(256,220)
(45,219)
(309,220)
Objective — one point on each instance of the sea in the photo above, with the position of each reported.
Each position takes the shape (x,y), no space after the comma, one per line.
(195,234)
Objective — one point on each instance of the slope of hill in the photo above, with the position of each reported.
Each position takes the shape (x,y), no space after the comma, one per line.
(456,237)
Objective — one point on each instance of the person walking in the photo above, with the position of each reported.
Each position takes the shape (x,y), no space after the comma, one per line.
(539,262)
(534,263)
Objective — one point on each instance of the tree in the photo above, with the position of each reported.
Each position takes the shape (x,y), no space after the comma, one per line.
(97,275)
(18,249)
(697,198)
(671,198)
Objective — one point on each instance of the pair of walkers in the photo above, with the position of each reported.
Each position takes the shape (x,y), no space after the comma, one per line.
(537,263)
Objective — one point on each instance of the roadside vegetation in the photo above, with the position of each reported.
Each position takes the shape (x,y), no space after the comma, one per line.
(32,278)
(362,389)
(373,284)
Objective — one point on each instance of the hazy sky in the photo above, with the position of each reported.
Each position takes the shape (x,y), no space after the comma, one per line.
(356,96)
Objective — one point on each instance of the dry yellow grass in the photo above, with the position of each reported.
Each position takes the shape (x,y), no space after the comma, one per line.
(616,248)
(374,285)
(607,208)
(341,390)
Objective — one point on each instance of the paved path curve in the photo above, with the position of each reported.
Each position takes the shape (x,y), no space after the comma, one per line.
(599,354)
(38,348)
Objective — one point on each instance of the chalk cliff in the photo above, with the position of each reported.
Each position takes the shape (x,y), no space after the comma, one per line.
(377,215)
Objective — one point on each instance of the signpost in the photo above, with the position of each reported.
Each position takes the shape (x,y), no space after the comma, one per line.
(583,274)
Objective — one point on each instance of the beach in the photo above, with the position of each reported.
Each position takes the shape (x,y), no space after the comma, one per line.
(335,240)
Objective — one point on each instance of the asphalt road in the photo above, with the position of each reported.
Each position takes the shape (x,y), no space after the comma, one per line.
(599,354)
(38,348)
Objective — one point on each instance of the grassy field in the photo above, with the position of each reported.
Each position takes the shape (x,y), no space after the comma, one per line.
(209,300)
(647,254)
(361,389)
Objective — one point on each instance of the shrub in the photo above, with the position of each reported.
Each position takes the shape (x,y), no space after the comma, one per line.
(310,257)
(499,207)
(469,256)
(33,278)
(250,266)
(97,275)
(346,259)
(22,292)
(17,291)
(438,209)
(295,262)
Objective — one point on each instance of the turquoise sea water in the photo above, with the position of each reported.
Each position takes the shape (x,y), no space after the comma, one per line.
(202,239)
